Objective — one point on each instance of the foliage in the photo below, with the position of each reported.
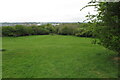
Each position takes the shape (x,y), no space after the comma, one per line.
(8,31)
(107,24)
(0,31)
(37,30)
(65,30)
(20,30)
(50,28)
(85,30)
(81,30)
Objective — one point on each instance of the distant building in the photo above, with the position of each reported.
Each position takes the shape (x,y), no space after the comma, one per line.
(39,24)
(27,23)
(55,24)
(33,23)
(19,23)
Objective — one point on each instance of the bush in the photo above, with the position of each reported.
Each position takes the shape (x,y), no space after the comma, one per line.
(0,31)
(21,30)
(50,28)
(66,29)
(8,31)
(83,33)
(81,30)
(43,31)
(38,30)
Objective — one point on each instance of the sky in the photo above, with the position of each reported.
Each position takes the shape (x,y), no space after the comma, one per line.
(44,10)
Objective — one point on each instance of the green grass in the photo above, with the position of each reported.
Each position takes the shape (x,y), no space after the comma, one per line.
(48,56)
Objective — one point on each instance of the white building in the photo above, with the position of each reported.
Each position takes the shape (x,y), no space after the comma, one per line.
(55,24)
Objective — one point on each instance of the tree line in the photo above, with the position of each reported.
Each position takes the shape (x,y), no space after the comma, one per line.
(75,29)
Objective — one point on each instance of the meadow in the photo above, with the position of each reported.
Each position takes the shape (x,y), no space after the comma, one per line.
(56,56)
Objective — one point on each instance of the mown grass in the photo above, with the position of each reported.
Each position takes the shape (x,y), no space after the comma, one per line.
(56,56)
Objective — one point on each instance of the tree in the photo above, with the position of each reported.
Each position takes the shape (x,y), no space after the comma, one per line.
(107,24)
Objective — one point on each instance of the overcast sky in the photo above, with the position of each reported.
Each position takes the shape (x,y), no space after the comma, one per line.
(43,10)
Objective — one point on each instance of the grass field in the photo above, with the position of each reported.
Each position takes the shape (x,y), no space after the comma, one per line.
(48,56)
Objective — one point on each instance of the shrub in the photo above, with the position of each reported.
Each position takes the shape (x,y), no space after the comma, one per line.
(0,31)
(21,30)
(63,29)
(50,28)
(83,33)
(66,30)
(8,31)
(38,30)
